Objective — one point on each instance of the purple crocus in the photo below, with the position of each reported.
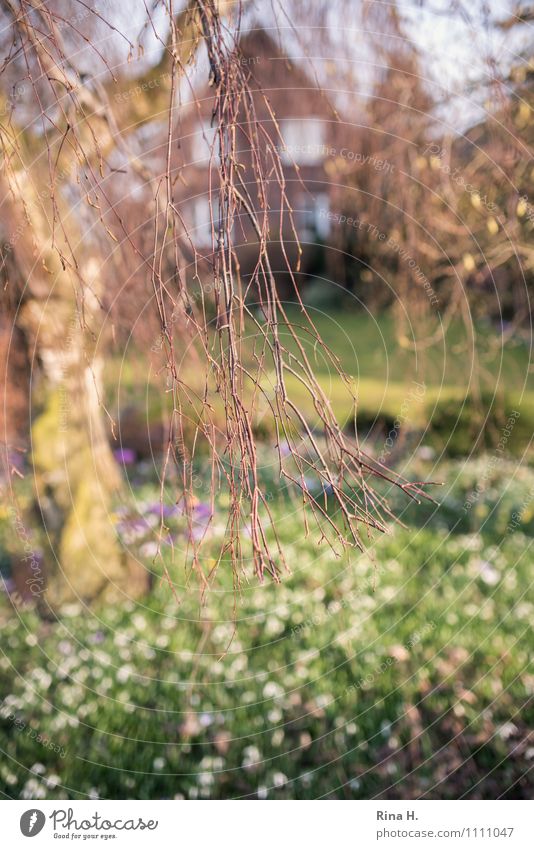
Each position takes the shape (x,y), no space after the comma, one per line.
(98,637)
(16,460)
(167,510)
(126,456)
(203,512)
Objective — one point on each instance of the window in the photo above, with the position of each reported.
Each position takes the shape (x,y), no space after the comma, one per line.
(205,222)
(205,144)
(303,141)
(202,220)
(322,222)
(312,216)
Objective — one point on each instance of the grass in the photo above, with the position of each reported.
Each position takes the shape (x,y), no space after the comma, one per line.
(385,360)
(463,394)
(398,673)
(378,347)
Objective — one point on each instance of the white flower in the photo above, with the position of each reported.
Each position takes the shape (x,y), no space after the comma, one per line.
(506,730)
(43,677)
(33,789)
(272,690)
(251,756)
(239,664)
(124,673)
(38,769)
(277,737)
(71,610)
(159,763)
(279,779)
(149,549)
(148,652)
(273,626)
(426,452)
(488,574)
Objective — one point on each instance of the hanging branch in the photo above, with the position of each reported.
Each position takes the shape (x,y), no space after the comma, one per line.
(77,128)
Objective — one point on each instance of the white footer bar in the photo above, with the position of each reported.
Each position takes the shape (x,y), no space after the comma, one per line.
(269,824)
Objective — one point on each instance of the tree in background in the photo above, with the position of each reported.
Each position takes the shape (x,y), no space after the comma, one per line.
(453,201)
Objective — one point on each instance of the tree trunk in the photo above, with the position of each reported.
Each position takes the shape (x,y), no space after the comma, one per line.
(77,481)
(77,484)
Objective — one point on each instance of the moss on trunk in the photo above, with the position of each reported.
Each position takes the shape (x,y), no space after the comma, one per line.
(77,481)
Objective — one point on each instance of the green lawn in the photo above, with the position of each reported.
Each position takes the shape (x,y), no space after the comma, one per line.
(385,360)
(471,381)
(378,348)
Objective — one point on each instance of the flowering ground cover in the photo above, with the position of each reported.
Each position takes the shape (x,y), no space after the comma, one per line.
(399,672)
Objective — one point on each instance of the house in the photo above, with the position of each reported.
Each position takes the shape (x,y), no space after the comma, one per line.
(301,124)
